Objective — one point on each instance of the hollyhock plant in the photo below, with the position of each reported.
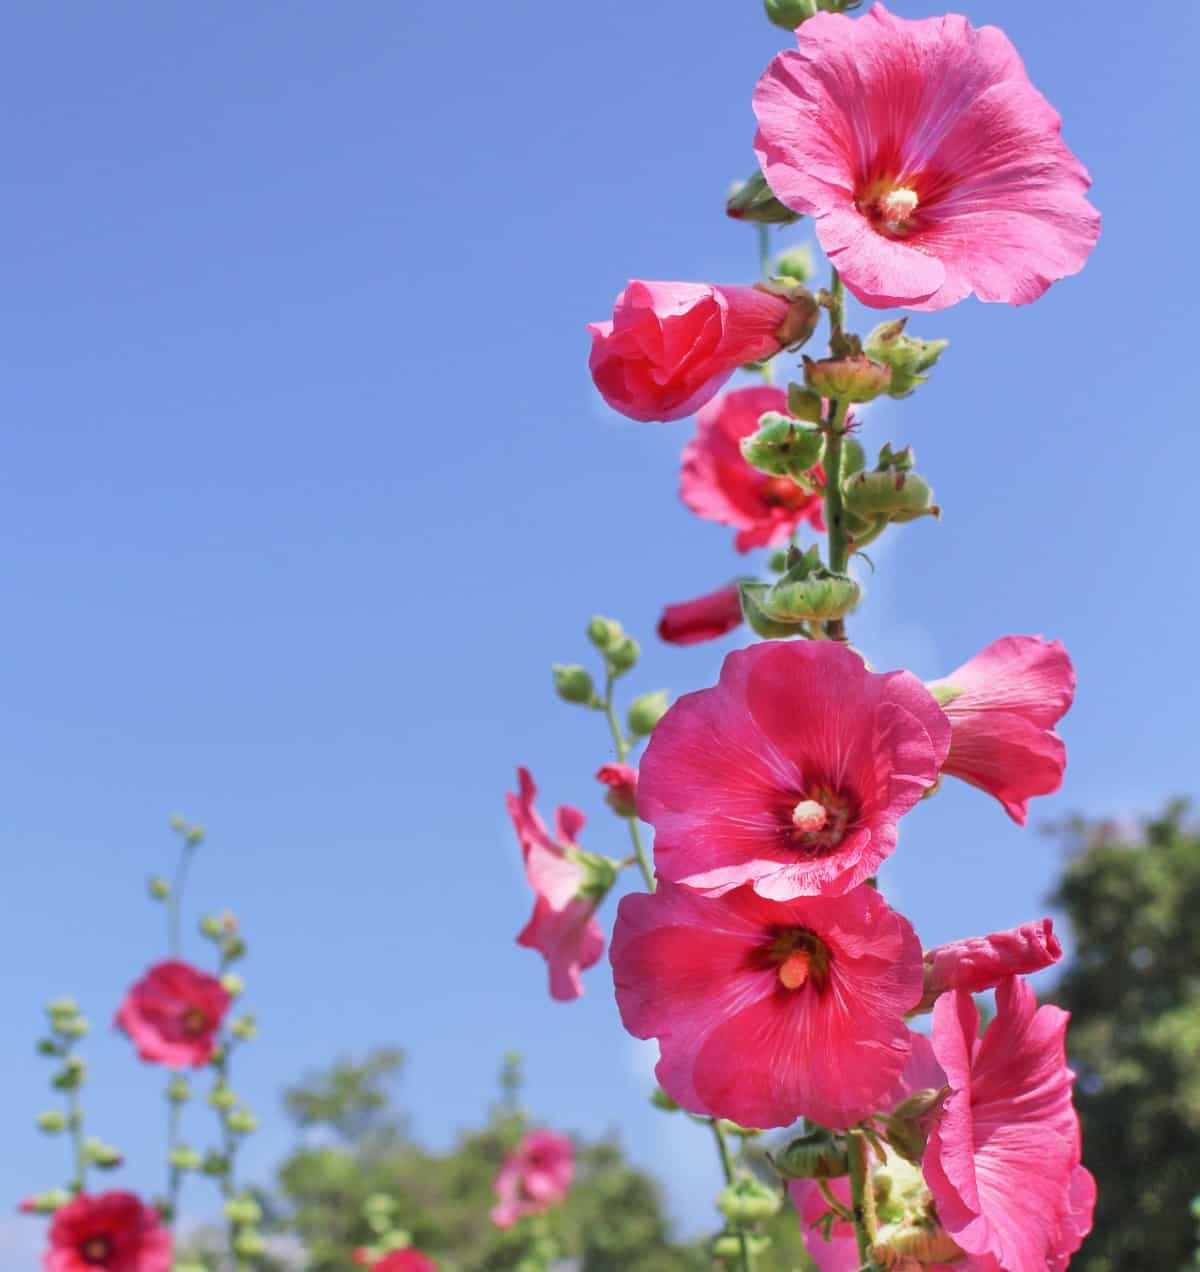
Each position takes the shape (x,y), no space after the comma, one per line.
(562,927)
(671,346)
(767,1011)
(704,618)
(1002,706)
(982,962)
(535,1176)
(113,1231)
(1002,1162)
(718,484)
(621,780)
(173,1015)
(932,165)
(791,773)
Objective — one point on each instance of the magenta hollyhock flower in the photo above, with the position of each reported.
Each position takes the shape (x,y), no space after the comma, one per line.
(173,1014)
(932,165)
(718,484)
(982,962)
(671,346)
(535,1176)
(791,773)
(112,1231)
(562,928)
(1002,706)
(1002,1162)
(404,1261)
(622,781)
(704,618)
(838,1253)
(766,1011)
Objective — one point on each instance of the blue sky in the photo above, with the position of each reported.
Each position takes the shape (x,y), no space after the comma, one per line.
(305,486)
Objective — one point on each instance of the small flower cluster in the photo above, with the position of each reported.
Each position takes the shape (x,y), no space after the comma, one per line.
(762,956)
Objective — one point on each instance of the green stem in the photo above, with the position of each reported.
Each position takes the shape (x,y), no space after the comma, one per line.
(764,250)
(622,749)
(75,1121)
(727,1169)
(862,1198)
(837,310)
(835,431)
(174,901)
(174,1174)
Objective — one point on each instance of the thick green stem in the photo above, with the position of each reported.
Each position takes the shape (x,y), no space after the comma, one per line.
(621,746)
(727,1169)
(75,1121)
(835,515)
(862,1198)
(174,1174)
(837,310)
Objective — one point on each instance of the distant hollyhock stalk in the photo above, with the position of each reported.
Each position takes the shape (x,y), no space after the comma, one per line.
(778,983)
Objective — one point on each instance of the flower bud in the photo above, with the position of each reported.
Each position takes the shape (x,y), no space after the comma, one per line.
(48,1047)
(221,1097)
(850,379)
(819,1155)
(249,1243)
(233,948)
(726,1248)
(244,1028)
(621,780)
(752,595)
(72,1026)
(194,836)
(211,927)
(573,683)
(788,14)
(808,592)
(783,447)
(52,1122)
(158,888)
(242,1210)
(907,356)
(45,1203)
(662,1101)
(58,1008)
(796,262)
(623,655)
(646,711)
(804,404)
(891,491)
(604,632)
(752,200)
(599,872)
(101,1155)
(70,1077)
(242,1122)
(215,1164)
(233,984)
(748,1200)
(179,1090)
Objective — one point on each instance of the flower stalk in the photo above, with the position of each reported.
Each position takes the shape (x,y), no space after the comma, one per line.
(622,747)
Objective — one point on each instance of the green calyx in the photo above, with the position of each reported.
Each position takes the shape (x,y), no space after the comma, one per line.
(599,872)
(807,592)
(784,447)
(891,492)
(752,200)
(818,1155)
(908,357)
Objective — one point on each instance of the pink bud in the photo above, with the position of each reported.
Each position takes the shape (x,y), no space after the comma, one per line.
(982,962)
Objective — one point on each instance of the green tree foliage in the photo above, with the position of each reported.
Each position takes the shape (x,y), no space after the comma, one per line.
(1133,989)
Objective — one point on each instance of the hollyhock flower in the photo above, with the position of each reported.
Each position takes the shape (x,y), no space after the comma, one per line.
(405,1261)
(838,1253)
(621,781)
(113,1231)
(671,346)
(982,962)
(766,1011)
(535,1176)
(562,928)
(705,618)
(791,773)
(174,1013)
(1002,1162)
(717,483)
(932,165)
(1003,705)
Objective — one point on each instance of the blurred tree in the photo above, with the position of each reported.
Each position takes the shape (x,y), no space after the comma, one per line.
(1133,988)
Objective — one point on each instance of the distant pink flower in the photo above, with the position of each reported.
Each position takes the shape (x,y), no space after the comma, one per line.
(840,1252)
(791,773)
(112,1232)
(404,1261)
(982,962)
(671,346)
(717,483)
(705,618)
(1010,696)
(932,165)
(535,1176)
(174,1013)
(766,1011)
(562,927)
(1002,1162)
(622,781)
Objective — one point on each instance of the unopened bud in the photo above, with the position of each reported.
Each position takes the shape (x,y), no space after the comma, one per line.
(623,655)
(102,1155)
(907,356)
(233,984)
(727,1247)
(850,379)
(752,200)
(244,1028)
(818,1155)
(573,683)
(661,1100)
(183,1158)
(604,632)
(783,447)
(761,623)
(52,1122)
(233,948)
(788,14)
(221,1097)
(194,836)
(158,888)
(179,1090)
(891,491)
(242,1122)
(748,1200)
(211,927)
(45,1203)
(70,1077)
(249,1243)
(72,1026)
(646,711)
(216,1164)
(243,1210)
(808,592)
(804,404)
(621,780)
(796,262)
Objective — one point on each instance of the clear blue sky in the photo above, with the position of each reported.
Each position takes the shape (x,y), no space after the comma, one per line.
(304,486)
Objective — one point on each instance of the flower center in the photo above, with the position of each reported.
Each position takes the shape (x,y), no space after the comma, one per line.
(819,820)
(195,1022)
(783,492)
(96,1250)
(799,958)
(890,209)
(809,816)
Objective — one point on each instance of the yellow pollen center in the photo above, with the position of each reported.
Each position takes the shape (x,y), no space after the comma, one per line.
(897,206)
(809,816)
(793,971)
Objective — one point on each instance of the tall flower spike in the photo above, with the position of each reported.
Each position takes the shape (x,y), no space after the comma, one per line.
(791,773)
(932,165)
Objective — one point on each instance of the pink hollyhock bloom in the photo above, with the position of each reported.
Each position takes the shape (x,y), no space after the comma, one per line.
(982,962)
(933,166)
(840,1252)
(1003,705)
(562,928)
(174,1013)
(791,773)
(705,618)
(113,1231)
(766,1011)
(621,781)
(536,1175)
(670,346)
(1002,1162)
(717,483)
(405,1261)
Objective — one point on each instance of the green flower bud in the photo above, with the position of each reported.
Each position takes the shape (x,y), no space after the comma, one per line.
(70,1077)
(804,404)
(216,1164)
(891,491)
(45,1203)
(179,1090)
(72,1026)
(184,1158)
(920,1240)
(61,1009)
(158,888)
(760,622)
(101,1154)
(808,592)
(646,711)
(178,824)
(233,948)
(819,1155)
(788,14)
(777,562)
(48,1047)
(194,836)
(623,655)
(52,1122)
(212,927)
(907,356)
(727,1247)
(752,200)
(599,872)
(783,447)
(221,1097)
(661,1100)
(233,984)
(604,632)
(573,683)
(796,262)
(244,1028)
(249,1243)
(748,1200)
(851,379)
(243,1209)
(242,1122)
